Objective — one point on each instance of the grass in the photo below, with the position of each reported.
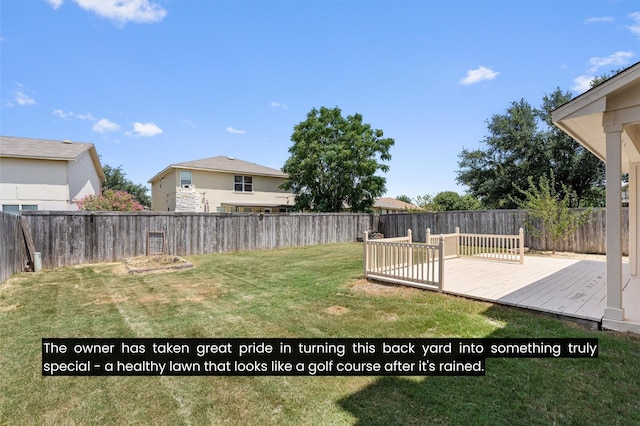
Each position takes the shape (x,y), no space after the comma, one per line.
(301,292)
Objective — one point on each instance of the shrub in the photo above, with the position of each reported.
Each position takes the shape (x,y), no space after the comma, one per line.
(109,200)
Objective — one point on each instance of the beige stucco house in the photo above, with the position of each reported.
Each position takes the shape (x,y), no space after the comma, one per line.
(39,174)
(220,185)
(606,120)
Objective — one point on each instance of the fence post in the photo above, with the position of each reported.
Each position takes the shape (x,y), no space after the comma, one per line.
(441,263)
(428,236)
(457,241)
(365,238)
(409,235)
(521,238)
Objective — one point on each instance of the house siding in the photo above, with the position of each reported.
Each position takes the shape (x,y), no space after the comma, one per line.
(83,179)
(22,182)
(217,190)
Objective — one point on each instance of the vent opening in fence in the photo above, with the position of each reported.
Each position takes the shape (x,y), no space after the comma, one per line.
(156,243)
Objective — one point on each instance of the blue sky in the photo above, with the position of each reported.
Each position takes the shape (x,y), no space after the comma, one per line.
(155,82)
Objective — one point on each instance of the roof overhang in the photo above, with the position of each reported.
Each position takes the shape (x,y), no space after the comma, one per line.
(613,105)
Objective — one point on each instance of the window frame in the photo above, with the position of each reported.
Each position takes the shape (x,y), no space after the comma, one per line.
(183,181)
(242,183)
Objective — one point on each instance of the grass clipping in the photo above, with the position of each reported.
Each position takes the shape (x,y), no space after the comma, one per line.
(160,263)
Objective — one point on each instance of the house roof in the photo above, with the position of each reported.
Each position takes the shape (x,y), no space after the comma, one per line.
(613,104)
(44,149)
(393,204)
(223,164)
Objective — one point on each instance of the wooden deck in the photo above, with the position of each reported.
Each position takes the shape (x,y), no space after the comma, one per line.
(567,287)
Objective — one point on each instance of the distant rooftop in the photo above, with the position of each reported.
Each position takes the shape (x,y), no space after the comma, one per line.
(224,164)
(41,148)
(45,149)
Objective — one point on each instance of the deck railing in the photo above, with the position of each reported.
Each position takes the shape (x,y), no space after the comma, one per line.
(504,248)
(399,260)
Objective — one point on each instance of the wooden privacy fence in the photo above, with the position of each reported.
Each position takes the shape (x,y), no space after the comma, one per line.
(503,248)
(398,260)
(72,238)
(13,253)
(588,238)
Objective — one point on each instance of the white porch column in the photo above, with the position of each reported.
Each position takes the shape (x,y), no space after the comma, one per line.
(633,215)
(614,309)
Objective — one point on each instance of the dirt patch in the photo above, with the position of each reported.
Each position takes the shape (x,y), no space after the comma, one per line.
(9,308)
(149,264)
(337,310)
(107,300)
(383,289)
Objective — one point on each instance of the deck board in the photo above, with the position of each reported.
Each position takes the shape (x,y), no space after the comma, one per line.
(568,287)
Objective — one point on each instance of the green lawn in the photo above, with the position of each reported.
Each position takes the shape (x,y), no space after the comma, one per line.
(298,292)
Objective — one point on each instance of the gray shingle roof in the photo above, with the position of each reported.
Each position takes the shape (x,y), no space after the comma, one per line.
(225,164)
(41,148)
(44,149)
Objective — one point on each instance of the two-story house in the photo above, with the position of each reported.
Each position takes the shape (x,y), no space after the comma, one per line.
(40,174)
(220,185)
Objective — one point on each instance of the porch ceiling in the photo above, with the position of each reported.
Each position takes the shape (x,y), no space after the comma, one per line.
(614,104)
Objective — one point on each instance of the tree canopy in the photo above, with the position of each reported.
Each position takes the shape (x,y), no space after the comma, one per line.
(116,180)
(334,160)
(523,143)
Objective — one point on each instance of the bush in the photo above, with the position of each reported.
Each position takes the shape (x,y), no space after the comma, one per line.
(109,200)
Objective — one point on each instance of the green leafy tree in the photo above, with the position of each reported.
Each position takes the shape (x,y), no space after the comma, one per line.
(425,203)
(557,221)
(572,164)
(109,200)
(334,161)
(524,143)
(450,200)
(116,179)
(404,198)
(514,152)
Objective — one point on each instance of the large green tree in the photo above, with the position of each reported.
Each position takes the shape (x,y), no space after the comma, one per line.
(523,143)
(116,180)
(334,162)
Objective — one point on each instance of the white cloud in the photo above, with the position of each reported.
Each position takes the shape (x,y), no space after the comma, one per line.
(21,97)
(279,105)
(145,129)
(235,131)
(86,116)
(582,83)
(64,115)
(599,19)
(635,28)
(479,74)
(55,3)
(616,59)
(103,125)
(123,11)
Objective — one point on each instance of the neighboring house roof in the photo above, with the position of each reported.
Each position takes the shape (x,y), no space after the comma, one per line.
(44,149)
(223,164)
(393,204)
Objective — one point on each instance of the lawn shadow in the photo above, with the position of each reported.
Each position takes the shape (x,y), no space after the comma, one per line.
(514,391)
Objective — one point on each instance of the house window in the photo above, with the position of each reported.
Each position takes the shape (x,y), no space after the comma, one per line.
(15,208)
(247,210)
(243,183)
(185,177)
(11,208)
